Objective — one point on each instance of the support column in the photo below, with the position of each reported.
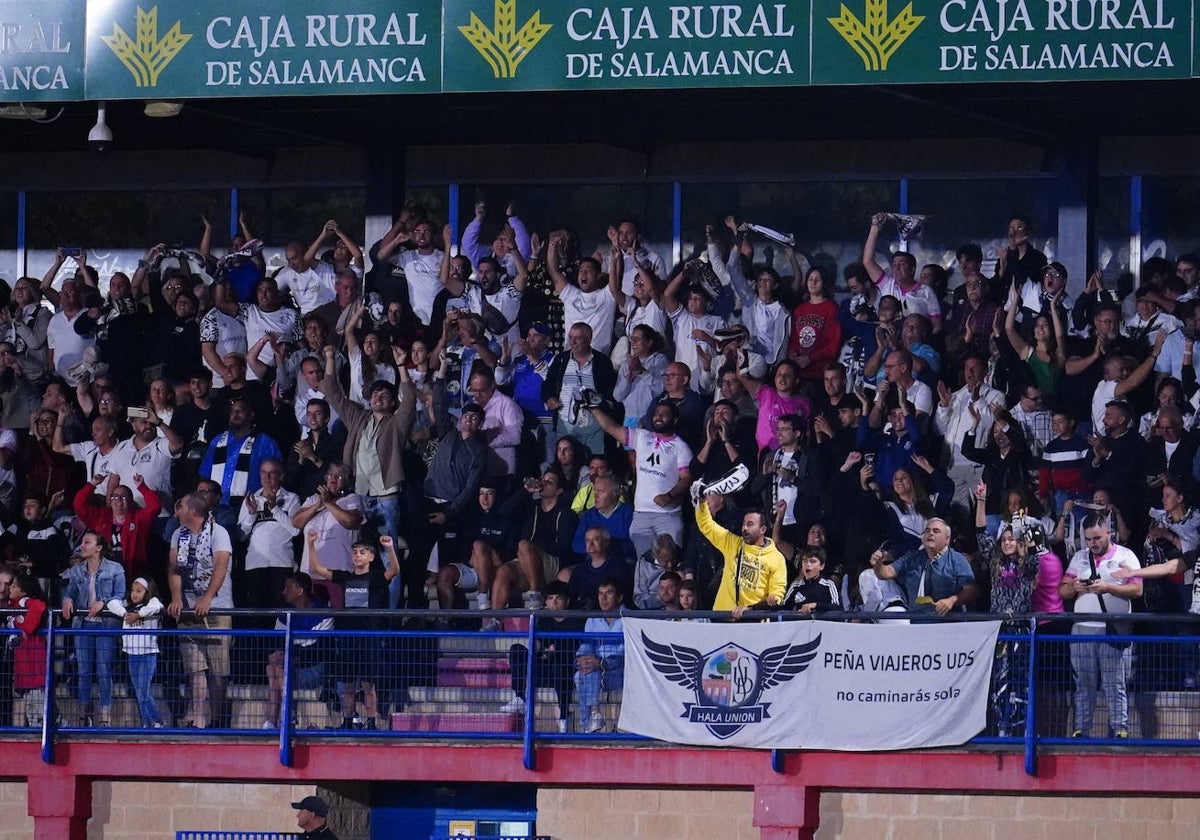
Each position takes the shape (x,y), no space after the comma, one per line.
(60,805)
(1078,168)
(384,189)
(783,812)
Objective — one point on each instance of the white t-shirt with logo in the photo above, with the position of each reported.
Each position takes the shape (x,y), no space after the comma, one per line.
(424,275)
(659,461)
(284,322)
(310,288)
(152,462)
(1080,568)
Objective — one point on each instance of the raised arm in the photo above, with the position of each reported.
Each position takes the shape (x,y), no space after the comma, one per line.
(671,302)
(1010,323)
(1139,374)
(611,427)
(326,230)
(616,266)
(874,269)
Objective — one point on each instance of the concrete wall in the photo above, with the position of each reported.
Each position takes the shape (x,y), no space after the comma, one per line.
(588,814)
(155,811)
(137,811)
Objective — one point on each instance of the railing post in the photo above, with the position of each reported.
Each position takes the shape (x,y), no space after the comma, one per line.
(778,757)
(285,706)
(1031,704)
(530,757)
(49,715)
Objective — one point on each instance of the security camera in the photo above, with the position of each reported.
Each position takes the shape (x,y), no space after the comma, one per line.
(100,138)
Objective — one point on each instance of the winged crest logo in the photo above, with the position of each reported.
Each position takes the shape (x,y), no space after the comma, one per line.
(729,681)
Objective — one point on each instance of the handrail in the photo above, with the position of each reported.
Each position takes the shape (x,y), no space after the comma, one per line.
(1023,629)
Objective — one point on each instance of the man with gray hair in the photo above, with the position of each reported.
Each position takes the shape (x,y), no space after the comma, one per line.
(935,577)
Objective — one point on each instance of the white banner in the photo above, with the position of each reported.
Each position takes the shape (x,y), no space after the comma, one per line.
(807,684)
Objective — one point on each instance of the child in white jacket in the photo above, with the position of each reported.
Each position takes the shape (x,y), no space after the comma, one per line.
(140,610)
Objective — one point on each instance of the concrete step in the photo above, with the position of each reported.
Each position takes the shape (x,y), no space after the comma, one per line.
(476,696)
(455,722)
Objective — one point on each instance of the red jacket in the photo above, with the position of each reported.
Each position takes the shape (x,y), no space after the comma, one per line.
(135,532)
(29,659)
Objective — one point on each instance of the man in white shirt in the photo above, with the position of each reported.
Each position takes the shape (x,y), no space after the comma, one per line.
(634,253)
(967,411)
(266,318)
(309,281)
(900,279)
(422,265)
(265,519)
(663,475)
(66,347)
(591,302)
(1097,580)
(149,454)
(898,366)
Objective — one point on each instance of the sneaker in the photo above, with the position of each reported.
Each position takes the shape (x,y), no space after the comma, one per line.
(562,726)
(595,723)
(491,625)
(1121,734)
(515,706)
(1078,733)
(158,724)
(266,724)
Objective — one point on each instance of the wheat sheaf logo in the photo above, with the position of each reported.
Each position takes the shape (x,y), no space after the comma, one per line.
(878,38)
(147,55)
(503,47)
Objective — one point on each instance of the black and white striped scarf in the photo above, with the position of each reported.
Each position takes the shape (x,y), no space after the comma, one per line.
(241,468)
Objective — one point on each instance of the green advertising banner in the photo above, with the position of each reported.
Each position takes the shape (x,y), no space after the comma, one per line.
(201,48)
(901,41)
(41,50)
(495,45)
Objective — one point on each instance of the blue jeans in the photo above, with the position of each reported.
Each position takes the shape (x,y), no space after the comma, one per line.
(94,653)
(384,513)
(141,671)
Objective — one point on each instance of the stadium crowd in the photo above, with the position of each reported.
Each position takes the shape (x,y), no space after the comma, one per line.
(531,422)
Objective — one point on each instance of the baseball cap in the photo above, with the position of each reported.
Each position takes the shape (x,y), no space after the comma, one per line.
(540,327)
(312,803)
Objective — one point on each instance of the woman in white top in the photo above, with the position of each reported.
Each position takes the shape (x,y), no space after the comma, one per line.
(639,377)
(643,306)
(369,362)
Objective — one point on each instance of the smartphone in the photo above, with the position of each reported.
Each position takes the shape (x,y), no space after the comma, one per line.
(137,413)
(72,251)
(869,459)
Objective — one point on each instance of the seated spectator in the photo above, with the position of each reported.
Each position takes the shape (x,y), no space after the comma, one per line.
(663,557)
(600,563)
(935,577)
(600,665)
(544,548)
(689,600)
(554,662)
(308,651)
(489,541)
(502,424)
(609,513)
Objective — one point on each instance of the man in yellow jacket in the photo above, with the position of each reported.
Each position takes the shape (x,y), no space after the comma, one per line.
(755,573)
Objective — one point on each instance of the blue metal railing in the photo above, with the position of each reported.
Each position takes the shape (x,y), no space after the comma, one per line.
(1157,649)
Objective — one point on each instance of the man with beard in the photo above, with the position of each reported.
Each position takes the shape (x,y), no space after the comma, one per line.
(663,474)
(589,300)
(235,456)
(754,573)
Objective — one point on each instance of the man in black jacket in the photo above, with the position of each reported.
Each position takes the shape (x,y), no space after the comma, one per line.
(576,369)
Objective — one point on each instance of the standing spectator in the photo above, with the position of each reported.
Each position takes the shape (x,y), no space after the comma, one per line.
(526,373)
(140,611)
(900,279)
(66,346)
(663,474)
(553,663)
(270,326)
(816,333)
(589,301)
(124,526)
(235,457)
(775,400)
(309,280)
(91,584)
(690,407)
(334,513)
(266,523)
(581,367)
(201,554)
(375,441)
(694,325)
(315,451)
(1092,582)
(753,572)
(640,373)
(502,424)
(600,665)
(1046,357)
(146,454)
(421,264)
